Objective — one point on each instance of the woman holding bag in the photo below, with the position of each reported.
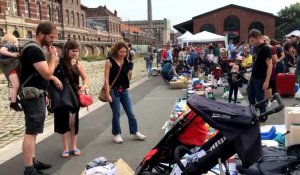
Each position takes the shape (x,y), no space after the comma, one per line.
(66,119)
(116,83)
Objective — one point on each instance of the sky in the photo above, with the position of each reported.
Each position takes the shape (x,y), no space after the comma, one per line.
(178,11)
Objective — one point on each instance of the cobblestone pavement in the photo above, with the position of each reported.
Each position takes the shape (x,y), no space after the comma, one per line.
(12,123)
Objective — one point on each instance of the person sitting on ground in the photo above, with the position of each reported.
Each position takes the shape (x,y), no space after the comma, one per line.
(9,62)
(182,69)
(247,59)
(168,72)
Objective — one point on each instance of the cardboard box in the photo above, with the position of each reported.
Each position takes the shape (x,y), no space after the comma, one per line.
(178,84)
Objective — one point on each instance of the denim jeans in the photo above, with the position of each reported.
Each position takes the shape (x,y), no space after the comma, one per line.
(298,69)
(256,93)
(124,99)
(148,67)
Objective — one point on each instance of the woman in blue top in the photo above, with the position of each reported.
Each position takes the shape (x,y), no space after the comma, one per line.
(116,83)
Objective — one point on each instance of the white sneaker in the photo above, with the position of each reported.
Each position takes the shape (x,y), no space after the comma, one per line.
(139,136)
(118,139)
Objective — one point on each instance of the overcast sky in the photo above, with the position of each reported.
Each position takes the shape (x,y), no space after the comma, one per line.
(178,11)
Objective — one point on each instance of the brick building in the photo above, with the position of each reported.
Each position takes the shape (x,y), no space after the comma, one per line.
(21,17)
(236,21)
(135,35)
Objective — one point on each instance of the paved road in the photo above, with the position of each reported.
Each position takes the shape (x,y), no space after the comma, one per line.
(153,101)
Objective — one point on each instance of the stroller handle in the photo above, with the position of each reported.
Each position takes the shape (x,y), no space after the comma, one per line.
(280,106)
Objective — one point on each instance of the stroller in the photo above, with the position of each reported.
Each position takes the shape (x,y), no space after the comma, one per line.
(238,132)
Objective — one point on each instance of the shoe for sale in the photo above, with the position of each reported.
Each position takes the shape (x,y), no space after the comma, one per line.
(34,171)
(40,165)
(139,136)
(118,139)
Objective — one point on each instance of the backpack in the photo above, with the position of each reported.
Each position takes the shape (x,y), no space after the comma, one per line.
(164,54)
(130,55)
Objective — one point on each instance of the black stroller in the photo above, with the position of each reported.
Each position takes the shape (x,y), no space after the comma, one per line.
(239,132)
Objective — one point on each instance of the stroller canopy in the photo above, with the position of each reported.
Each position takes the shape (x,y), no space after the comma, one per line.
(230,119)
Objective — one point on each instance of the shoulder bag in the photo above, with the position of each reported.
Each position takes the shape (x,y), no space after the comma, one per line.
(102,95)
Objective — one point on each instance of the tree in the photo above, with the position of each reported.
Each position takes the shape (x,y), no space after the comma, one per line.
(290,20)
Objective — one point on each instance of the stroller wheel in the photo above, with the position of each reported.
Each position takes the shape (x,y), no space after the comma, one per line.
(154,72)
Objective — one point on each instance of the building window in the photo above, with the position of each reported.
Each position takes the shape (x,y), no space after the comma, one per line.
(68,17)
(58,15)
(78,19)
(82,20)
(29,34)
(49,14)
(74,37)
(208,28)
(1,32)
(27,8)
(257,25)
(78,2)
(15,8)
(232,28)
(83,38)
(38,10)
(73,18)
(79,38)
(59,36)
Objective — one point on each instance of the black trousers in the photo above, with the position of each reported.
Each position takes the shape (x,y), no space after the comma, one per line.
(233,88)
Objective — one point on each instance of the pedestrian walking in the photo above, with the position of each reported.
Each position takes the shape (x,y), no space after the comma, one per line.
(9,61)
(116,83)
(66,120)
(35,75)
(149,57)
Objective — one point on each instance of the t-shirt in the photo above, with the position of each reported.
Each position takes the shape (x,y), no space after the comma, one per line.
(10,48)
(30,56)
(247,61)
(262,53)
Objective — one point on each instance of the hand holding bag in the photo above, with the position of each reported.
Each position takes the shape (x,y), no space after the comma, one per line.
(102,95)
(85,100)
(65,98)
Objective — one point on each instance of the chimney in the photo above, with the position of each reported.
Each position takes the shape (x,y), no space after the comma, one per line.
(116,13)
(104,7)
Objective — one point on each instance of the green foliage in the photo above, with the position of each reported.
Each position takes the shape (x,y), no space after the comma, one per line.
(291,16)
(93,58)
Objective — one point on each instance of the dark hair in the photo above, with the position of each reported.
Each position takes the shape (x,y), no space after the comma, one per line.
(45,28)
(69,45)
(287,46)
(254,33)
(273,42)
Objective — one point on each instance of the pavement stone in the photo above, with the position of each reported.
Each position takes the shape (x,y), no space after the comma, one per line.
(12,123)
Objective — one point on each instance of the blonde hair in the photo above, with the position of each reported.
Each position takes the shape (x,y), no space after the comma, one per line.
(265,37)
(9,38)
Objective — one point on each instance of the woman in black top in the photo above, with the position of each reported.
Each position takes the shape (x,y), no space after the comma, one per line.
(66,121)
(116,83)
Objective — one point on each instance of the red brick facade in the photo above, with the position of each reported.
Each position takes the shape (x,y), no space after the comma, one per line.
(245,16)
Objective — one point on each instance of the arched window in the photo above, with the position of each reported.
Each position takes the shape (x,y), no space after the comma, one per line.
(1,32)
(232,28)
(29,34)
(49,14)
(27,8)
(208,28)
(83,38)
(74,37)
(82,20)
(16,33)
(73,18)
(78,19)
(38,10)
(59,36)
(79,37)
(67,16)
(257,25)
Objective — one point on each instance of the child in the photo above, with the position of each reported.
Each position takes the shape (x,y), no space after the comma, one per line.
(8,63)
(233,79)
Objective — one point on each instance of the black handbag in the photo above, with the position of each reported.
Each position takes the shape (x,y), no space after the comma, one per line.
(65,98)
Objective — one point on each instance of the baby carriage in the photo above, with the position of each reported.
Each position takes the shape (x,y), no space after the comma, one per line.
(238,132)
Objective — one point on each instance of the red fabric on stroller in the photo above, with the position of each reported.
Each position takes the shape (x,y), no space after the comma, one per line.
(196,133)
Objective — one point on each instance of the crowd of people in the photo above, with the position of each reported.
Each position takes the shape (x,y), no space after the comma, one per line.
(31,70)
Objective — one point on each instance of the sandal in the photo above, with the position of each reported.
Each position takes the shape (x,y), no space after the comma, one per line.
(75,152)
(65,154)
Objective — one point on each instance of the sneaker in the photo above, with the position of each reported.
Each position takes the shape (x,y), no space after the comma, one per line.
(118,139)
(139,136)
(40,165)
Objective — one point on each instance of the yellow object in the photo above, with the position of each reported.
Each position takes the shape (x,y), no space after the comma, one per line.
(247,61)
(178,84)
